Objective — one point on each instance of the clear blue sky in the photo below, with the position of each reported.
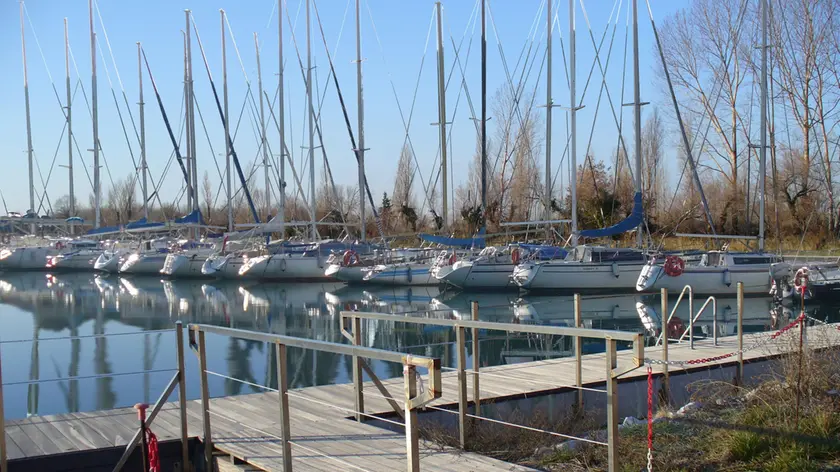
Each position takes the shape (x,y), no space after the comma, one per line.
(402,27)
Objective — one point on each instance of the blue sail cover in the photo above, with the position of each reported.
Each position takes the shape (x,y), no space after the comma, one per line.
(193,218)
(104,229)
(632,221)
(463,243)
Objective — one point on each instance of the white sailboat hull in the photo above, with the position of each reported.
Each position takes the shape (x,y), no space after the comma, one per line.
(25,258)
(143,264)
(406,274)
(474,276)
(707,280)
(563,275)
(284,267)
(223,267)
(78,261)
(184,265)
(109,261)
(353,274)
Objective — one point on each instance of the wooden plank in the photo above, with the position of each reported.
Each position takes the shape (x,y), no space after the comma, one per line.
(27,446)
(44,442)
(62,442)
(12,449)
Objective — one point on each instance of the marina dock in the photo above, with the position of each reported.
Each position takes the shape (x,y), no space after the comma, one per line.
(324,433)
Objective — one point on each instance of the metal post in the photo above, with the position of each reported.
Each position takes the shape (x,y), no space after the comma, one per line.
(637,113)
(144,452)
(412,436)
(263,138)
(578,355)
(442,116)
(28,119)
(191,136)
(573,122)
(763,151)
(97,190)
(358,385)
(281,123)
(229,180)
(141,104)
(205,401)
(483,111)
(666,379)
(461,356)
(714,320)
(187,143)
(283,387)
(691,318)
(739,378)
(361,107)
(3,454)
(612,407)
(311,114)
(547,196)
(475,362)
(182,397)
(70,182)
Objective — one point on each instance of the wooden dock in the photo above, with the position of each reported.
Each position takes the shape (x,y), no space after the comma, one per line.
(324,437)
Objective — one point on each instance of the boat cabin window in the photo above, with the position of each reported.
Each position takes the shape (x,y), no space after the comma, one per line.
(755,260)
(617,256)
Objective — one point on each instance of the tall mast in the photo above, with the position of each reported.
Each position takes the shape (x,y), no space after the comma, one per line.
(311,111)
(97,193)
(281,212)
(442,116)
(361,106)
(548,105)
(227,127)
(763,151)
(263,142)
(572,122)
(28,120)
(483,111)
(71,188)
(142,105)
(191,110)
(637,114)
(188,143)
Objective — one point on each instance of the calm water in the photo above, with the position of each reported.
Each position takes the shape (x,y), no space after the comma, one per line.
(37,310)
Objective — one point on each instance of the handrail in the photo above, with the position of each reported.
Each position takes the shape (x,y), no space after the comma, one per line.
(460,326)
(410,363)
(693,319)
(685,289)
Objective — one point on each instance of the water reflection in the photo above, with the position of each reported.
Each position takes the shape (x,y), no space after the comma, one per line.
(42,307)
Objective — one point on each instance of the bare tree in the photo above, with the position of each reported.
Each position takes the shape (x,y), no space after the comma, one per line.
(653,181)
(122,199)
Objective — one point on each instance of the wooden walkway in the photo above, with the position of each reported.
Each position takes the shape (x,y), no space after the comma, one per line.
(325,439)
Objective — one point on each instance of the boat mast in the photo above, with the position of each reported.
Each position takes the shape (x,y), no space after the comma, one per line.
(361,106)
(313,230)
(281,213)
(572,122)
(28,120)
(71,189)
(95,113)
(548,105)
(142,104)
(637,115)
(227,128)
(442,115)
(191,110)
(483,112)
(263,143)
(187,142)
(763,151)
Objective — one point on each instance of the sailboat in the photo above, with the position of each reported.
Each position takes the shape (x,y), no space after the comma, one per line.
(74,254)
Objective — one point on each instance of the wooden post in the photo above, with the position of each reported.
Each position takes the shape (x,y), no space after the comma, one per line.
(412,435)
(460,334)
(739,376)
(358,379)
(578,355)
(666,379)
(475,363)
(3,466)
(182,397)
(205,402)
(612,407)
(283,387)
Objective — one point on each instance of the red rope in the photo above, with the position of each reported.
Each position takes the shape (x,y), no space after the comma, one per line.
(154,456)
(650,417)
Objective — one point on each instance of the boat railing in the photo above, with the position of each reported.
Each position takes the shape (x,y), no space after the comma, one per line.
(414,398)
(351,328)
(685,289)
(176,381)
(692,317)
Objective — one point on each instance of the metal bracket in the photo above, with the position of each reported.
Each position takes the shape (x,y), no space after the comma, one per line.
(192,342)
(641,104)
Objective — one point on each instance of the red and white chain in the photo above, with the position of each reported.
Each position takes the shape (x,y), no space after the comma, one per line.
(824,323)
(751,347)
(650,419)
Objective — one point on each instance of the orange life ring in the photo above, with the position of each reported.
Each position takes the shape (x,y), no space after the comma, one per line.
(800,280)
(674,266)
(350,258)
(514,255)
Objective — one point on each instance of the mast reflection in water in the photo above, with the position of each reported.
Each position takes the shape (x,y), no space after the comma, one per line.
(47,323)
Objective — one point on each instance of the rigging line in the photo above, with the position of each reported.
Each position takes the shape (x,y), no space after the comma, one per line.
(43,58)
(587,156)
(406,124)
(621,110)
(76,143)
(119,112)
(598,48)
(52,166)
(116,70)
(209,141)
(41,178)
(606,89)
(467,59)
